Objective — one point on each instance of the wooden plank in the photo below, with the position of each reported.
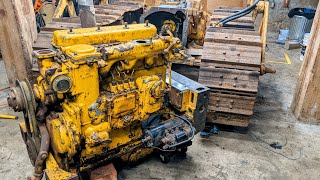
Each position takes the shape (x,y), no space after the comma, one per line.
(230,65)
(17,33)
(231,92)
(306,99)
(52,26)
(213,4)
(226,74)
(229,79)
(226,10)
(292,45)
(233,31)
(67,20)
(239,39)
(235,50)
(240,51)
(225,7)
(231,54)
(212,57)
(228,119)
(231,103)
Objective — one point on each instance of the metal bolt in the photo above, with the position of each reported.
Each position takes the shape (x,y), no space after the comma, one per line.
(126,25)
(71,30)
(221,76)
(232,101)
(43,156)
(48,73)
(147,23)
(230,107)
(234,85)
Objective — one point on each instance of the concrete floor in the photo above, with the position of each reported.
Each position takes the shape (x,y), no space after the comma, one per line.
(224,156)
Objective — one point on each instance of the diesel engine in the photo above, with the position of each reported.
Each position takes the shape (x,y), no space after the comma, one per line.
(107,93)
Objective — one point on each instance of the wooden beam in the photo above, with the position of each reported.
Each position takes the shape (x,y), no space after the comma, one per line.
(213,4)
(17,34)
(306,101)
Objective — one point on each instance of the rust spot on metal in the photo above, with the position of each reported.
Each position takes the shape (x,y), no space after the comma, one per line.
(123,48)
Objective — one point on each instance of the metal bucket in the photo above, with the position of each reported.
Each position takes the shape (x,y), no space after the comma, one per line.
(298,27)
(301,23)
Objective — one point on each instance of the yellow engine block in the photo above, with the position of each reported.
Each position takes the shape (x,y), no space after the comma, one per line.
(107,98)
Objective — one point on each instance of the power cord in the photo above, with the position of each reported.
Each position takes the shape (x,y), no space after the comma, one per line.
(273,145)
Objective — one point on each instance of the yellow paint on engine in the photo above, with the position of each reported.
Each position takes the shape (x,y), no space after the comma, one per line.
(104,35)
(104,92)
(54,172)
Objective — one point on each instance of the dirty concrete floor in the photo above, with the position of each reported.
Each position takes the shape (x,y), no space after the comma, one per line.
(226,155)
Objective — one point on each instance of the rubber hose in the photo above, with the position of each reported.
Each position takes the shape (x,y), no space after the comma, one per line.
(240,13)
(235,17)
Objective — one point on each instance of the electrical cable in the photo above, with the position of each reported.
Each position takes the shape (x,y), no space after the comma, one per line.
(4,88)
(248,9)
(255,137)
(165,150)
(235,17)
(239,14)
(4,104)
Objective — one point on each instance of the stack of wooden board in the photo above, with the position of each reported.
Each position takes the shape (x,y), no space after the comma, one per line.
(230,67)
